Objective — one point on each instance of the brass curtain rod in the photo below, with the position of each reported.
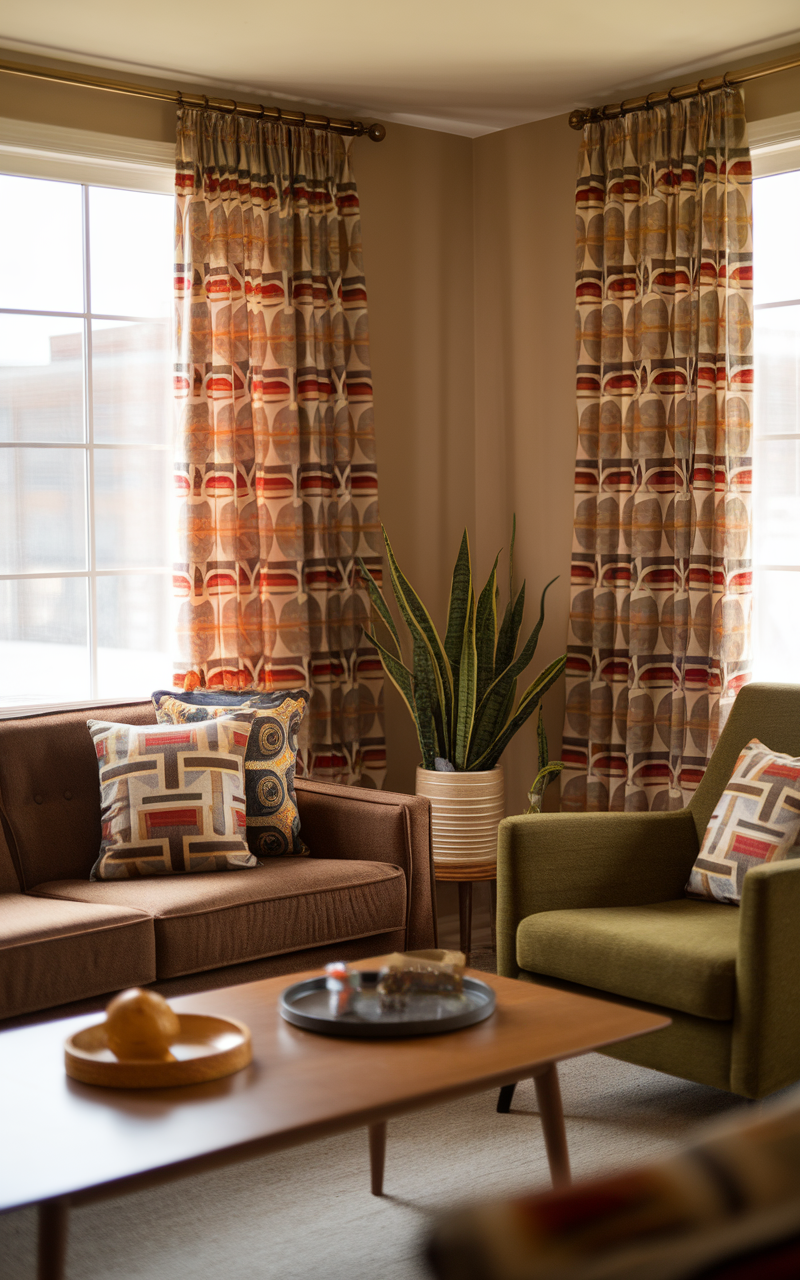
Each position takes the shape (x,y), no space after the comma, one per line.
(356,128)
(612,110)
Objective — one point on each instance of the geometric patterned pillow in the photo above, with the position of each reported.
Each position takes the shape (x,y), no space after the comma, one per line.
(757,819)
(244,700)
(273,822)
(171,799)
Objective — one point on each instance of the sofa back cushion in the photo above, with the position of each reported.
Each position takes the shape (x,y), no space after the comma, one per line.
(49,793)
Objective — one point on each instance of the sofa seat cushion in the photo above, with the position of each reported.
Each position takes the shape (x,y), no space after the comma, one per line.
(680,955)
(290,904)
(53,952)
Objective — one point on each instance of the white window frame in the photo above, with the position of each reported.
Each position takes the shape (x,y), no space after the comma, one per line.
(774,149)
(57,153)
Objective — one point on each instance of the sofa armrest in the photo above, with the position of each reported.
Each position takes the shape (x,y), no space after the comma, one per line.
(557,861)
(766,1034)
(376,826)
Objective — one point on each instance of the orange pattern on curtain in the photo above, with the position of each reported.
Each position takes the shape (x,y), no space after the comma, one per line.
(275,466)
(661,579)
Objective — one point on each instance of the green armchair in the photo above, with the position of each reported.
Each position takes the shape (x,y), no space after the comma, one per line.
(594,902)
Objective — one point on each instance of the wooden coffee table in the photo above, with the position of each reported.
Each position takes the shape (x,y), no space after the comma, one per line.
(66,1143)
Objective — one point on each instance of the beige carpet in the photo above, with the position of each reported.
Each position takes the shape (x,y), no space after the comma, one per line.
(308,1212)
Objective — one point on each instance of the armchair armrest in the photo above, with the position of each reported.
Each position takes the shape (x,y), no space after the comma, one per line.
(765,1053)
(556,861)
(376,826)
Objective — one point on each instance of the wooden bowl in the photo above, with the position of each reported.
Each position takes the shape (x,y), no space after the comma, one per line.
(206,1049)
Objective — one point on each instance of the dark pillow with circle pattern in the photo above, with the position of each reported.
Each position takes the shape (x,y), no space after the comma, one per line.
(273,823)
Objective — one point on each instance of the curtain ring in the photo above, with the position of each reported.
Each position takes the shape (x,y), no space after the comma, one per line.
(700,88)
(261,110)
(671,94)
(726,81)
(179,98)
(205,102)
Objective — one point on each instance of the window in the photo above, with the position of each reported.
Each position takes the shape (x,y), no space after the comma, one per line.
(776,453)
(85,442)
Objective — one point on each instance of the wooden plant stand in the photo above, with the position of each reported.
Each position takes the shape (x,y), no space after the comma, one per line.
(466,873)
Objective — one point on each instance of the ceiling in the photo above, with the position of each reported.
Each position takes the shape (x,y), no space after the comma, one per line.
(465,66)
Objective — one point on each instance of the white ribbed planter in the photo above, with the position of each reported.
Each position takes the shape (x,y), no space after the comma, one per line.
(465,811)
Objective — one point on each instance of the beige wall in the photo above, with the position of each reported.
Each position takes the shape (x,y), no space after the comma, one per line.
(416,200)
(525,414)
(469,255)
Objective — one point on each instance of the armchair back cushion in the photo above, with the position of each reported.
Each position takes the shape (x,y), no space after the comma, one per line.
(769,712)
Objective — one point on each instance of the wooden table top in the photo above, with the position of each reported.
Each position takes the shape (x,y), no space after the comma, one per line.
(59,1137)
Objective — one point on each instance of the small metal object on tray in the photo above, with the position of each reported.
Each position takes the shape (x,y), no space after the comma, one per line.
(306,1004)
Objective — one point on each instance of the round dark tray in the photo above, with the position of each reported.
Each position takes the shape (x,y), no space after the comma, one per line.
(306,1004)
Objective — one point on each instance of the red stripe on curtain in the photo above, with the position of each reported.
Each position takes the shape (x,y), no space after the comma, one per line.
(275,467)
(661,587)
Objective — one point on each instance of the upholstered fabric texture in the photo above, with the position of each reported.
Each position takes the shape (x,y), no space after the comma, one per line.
(756,820)
(681,954)
(561,863)
(54,952)
(725,1208)
(171,798)
(658,641)
(273,823)
(288,904)
(276,470)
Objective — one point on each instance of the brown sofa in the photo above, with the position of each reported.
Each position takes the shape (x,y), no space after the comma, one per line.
(367,887)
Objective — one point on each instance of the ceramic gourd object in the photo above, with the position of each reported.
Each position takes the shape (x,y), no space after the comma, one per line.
(141,1026)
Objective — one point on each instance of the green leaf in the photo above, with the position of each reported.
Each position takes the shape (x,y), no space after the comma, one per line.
(509,633)
(527,704)
(403,681)
(379,604)
(486,634)
(465,714)
(541,738)
(460,588)
(488,719)
(425,669)
(424,698)
(529,649)
(423,631)
(397,672)
(541,782)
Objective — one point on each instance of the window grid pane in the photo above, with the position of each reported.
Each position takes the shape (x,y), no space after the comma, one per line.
(97,507)
(776,469)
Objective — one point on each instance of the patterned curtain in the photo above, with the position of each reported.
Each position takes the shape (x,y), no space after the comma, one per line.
(661,580)
(275,468)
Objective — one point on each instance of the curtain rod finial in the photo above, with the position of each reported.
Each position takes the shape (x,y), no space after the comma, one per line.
(377,132)
(577,118)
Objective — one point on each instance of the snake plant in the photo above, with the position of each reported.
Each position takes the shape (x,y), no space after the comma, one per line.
(461,692)
(548,771)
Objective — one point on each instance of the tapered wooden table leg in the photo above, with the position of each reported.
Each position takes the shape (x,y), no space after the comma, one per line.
(548,1095)
(53,1223)
(465,915)
(377,1156)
